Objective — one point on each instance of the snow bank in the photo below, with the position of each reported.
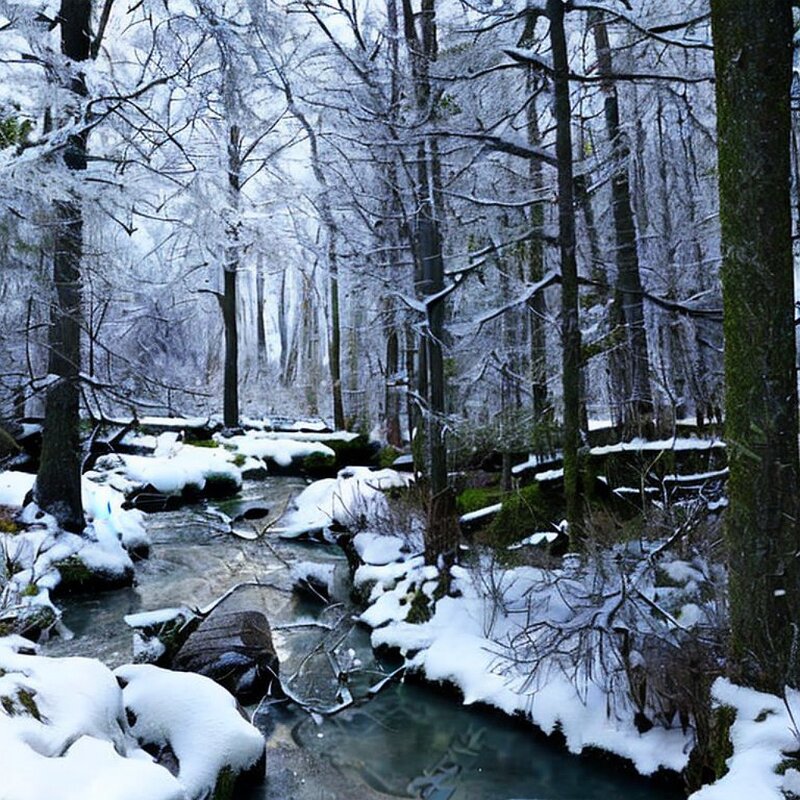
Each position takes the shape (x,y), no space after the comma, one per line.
(196,717)
(354,498)
(762,732)
(176,466)
(13,488)
(36,551)
(283,451)
(460,645)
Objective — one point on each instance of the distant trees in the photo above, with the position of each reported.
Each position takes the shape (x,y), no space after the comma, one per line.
(753,58)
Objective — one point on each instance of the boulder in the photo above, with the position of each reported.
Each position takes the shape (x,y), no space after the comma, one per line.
(235,649)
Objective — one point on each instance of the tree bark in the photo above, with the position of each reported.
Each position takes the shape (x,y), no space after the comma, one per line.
(637,404)
(570,330)
(58,482)
(753,61)
(230,405)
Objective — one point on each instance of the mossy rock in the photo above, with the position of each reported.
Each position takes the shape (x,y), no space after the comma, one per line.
(419,610)
(76,576)
(475,498)
(319,465)
(358,452)
(221,484)
(532,508)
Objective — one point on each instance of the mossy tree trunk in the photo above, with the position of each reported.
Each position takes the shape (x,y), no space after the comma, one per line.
(58,482)
(570,330)
(753,60)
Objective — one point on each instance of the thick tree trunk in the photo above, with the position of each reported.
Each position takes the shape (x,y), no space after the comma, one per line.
(58,482)
(570,330)
(753,59)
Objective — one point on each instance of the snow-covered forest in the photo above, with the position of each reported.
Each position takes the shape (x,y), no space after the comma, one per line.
(356,342)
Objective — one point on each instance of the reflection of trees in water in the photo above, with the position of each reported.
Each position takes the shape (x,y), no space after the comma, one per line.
(441,780)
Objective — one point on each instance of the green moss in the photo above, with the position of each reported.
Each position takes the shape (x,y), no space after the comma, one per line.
(708,759)
(319,464)
(26,700)
(74,573)
(387,456)
(420,610)
(221,484)
(31,590)
(524,511)
(226,782)
(8,525)
(210,443)
(239,459)
(478,497)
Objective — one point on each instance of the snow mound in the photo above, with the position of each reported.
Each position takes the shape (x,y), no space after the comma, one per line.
(354,499)
(196,717)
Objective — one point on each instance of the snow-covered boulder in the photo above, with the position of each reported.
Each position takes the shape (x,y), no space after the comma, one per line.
(69,732)
(190,721)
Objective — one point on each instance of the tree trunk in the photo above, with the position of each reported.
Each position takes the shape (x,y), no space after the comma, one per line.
(753,60)
(230,405)
(442,530)
(570,330)
(638,405)
(58,482)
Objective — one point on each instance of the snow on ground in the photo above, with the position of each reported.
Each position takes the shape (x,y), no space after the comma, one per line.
(64,732)
(354,498)
(461,645)
(764,730)
(14,486)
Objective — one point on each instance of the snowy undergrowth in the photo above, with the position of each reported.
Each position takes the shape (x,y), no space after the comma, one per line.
(34,557)
(64,730)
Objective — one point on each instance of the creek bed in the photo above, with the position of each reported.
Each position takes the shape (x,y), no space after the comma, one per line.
(409,741)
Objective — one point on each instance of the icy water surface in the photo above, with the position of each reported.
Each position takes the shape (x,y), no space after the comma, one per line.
(409,741)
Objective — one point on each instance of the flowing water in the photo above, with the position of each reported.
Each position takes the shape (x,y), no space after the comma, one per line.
(408,741)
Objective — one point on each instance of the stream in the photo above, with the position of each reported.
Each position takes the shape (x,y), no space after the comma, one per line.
(408,741)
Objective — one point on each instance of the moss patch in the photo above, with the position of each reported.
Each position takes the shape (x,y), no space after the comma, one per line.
(524,511)
(319,465)
(221,484)
(420,609)
(478,497)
